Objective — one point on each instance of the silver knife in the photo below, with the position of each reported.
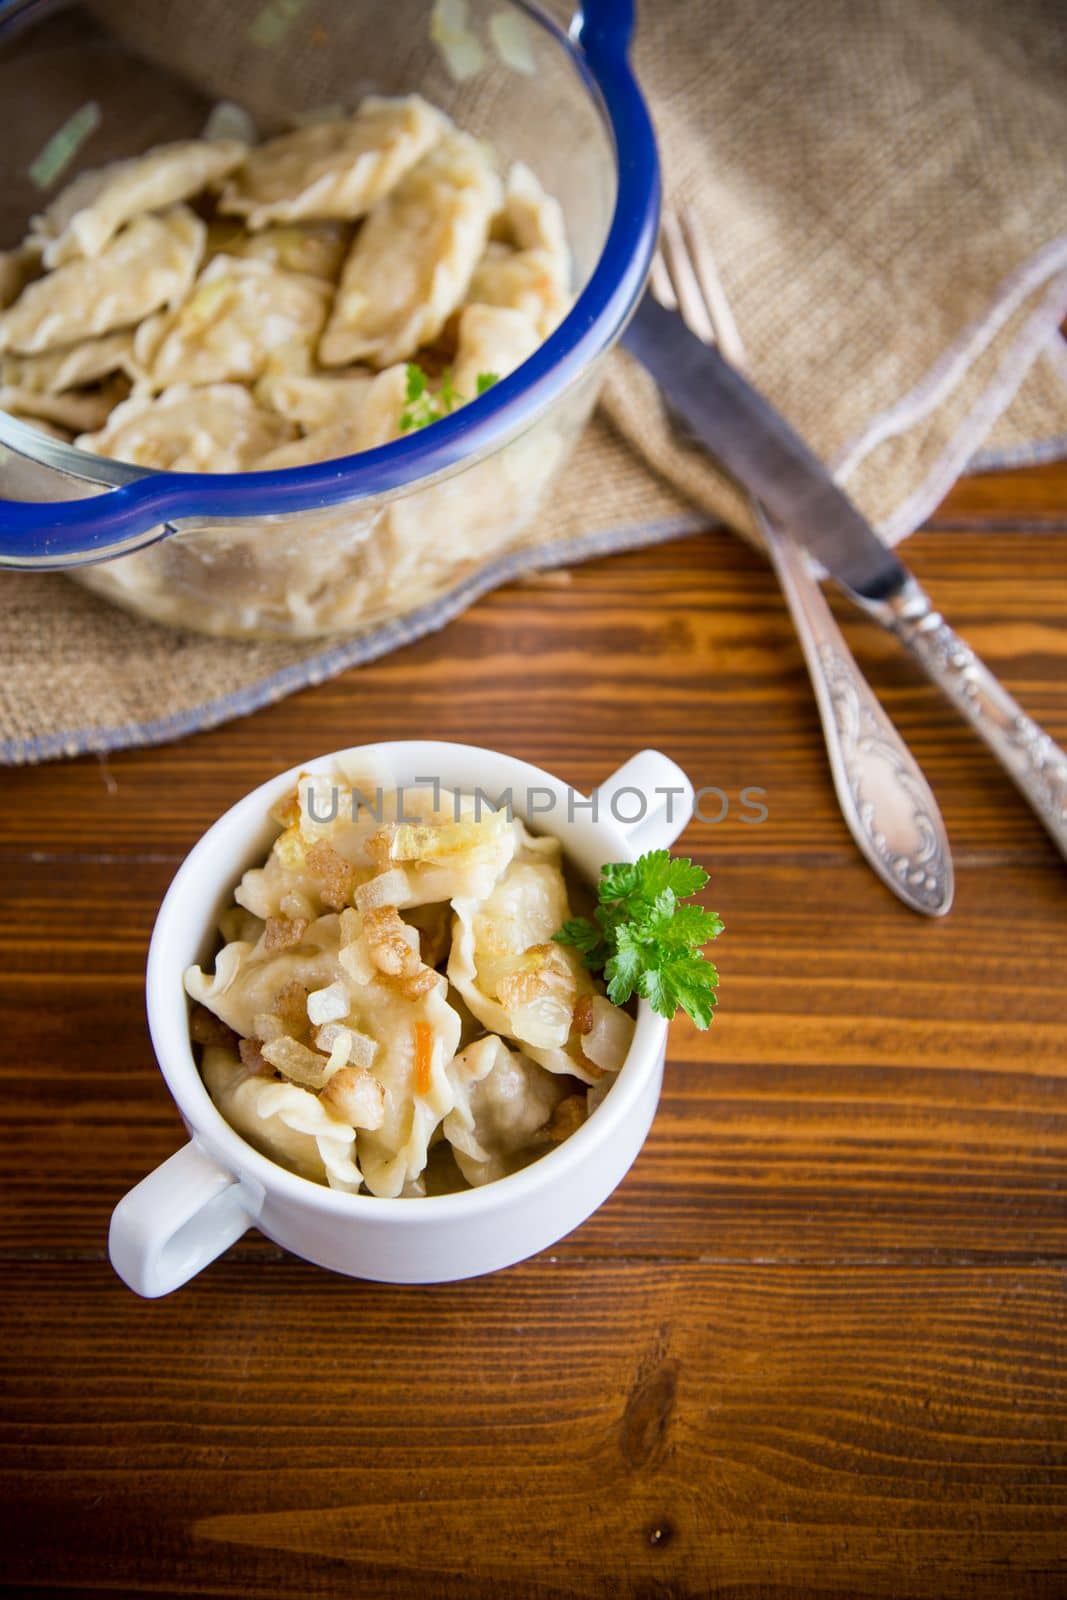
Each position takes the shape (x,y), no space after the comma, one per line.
(756,445)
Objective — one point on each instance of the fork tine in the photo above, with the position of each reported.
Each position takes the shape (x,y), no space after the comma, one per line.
(701,258)
(660,282)
(686,286)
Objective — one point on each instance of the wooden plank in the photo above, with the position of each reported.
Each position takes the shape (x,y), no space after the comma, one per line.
(562,1429)
(1027,497)
(874,1086)
(814,1344)
(686,646)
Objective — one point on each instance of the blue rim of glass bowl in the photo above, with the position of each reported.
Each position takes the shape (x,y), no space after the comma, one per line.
(144,508)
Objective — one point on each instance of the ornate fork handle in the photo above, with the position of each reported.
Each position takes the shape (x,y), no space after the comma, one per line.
(1031,758)
(884,797)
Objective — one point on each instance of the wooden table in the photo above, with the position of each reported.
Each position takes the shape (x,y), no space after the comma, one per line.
(813,1344)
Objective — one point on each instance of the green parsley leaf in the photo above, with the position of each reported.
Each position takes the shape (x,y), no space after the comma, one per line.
(645,941)
(587,939)
(424,406)
(686,983)
(584,935)
(618,880)
(646,879)
(687,927)
(623,969)
(448,397)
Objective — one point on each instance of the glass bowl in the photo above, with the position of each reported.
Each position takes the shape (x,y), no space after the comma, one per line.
(349,542)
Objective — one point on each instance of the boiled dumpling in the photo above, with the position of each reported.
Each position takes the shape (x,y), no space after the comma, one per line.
(71,365)
(151,263)
(508,970)
(416,1040)
(215,429)
(90,210)
(242,319)
(283,1121)
(504,1103)
(438,529)
(527,265)
(523,281)
(412,260)
(78,412)
(372,419)
(339,168)
(248,979)
(314,401)
(409,1033)
(314,248)
(441,848)
(533,220)
(491,340)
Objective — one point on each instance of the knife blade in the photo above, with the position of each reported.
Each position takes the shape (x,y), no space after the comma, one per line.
(741,429)
(757,446)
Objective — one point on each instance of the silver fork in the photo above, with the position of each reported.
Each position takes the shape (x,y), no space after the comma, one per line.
(886,802)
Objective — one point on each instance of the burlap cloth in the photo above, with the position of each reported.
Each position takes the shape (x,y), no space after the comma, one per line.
(884,186)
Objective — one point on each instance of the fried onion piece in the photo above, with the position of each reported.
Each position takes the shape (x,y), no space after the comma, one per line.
(583,1014)
(393,945)
(298,1063)
(337,876)
(542,972)
(284,933)
(418,984)
(387,889)
(359,1049)
(206,1028)
(253,1060)
(286,811)
(291,1007)
(357,1097)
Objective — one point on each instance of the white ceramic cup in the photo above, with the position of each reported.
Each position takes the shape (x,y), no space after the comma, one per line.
(193,1207)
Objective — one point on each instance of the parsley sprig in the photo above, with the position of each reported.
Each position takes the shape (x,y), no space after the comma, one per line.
(645,940)
(424,406)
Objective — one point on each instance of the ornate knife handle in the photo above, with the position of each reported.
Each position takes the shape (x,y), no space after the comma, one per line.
(884,797)
(1031,758)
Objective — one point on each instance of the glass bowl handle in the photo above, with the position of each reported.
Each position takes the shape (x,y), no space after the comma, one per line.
(603,28)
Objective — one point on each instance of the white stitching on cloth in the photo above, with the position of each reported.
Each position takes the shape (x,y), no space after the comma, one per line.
(1039,330)
(954,363)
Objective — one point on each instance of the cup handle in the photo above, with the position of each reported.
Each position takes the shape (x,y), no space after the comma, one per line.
(649,798)
(176,1221)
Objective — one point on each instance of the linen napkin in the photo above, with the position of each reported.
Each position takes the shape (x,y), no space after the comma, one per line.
(883,185)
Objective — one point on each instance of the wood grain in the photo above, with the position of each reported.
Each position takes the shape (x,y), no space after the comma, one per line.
(674,1429)
(814,1344)
(702,659)
(832,1112)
